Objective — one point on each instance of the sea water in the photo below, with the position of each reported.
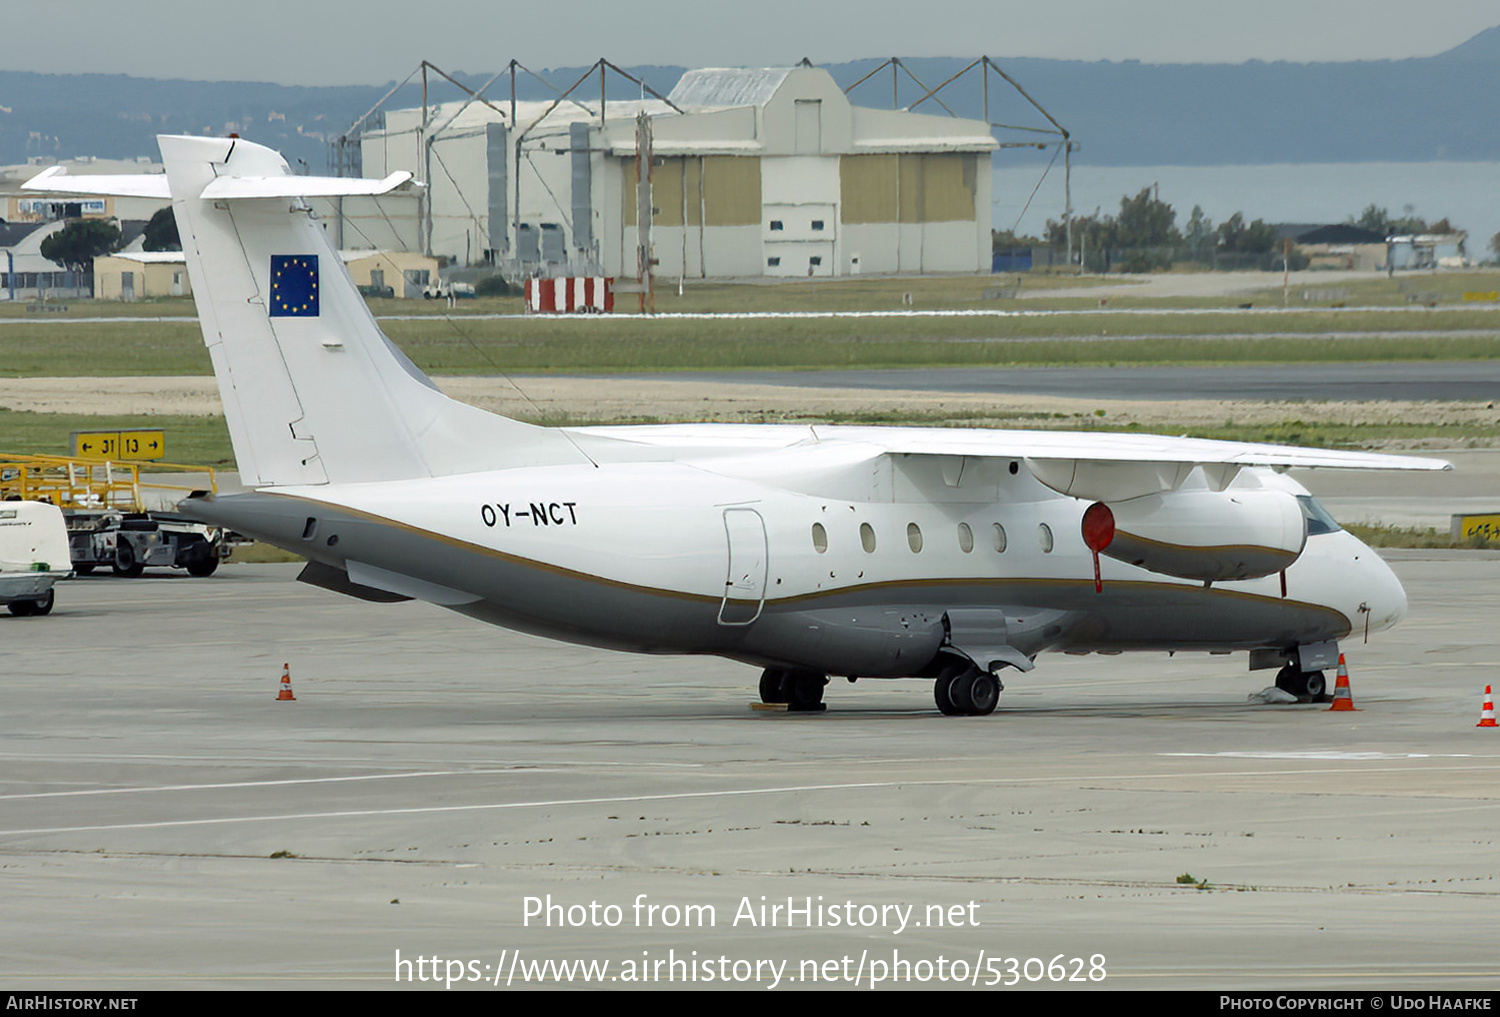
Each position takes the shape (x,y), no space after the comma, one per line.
(1466,193)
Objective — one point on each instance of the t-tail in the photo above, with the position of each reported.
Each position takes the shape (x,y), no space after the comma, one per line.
(313,392)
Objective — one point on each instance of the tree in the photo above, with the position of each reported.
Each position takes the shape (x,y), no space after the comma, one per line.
(77,244)
(1199,234)
(1007,240)
(161,232)
(1380,221)
(1237,238)
(1147,221)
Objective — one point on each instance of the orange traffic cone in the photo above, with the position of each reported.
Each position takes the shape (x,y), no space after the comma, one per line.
(1342,698)
(285,695)
(1487,715)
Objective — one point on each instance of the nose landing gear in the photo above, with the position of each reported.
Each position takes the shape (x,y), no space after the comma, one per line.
(1310,685)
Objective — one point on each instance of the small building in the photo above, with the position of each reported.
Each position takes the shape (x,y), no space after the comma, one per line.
(401,274)
(1335,245)
(24,206)
(25,274)
(1428,251)
(141,275)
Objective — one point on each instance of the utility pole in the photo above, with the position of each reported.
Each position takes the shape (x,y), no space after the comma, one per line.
(643,210)
(1068,193)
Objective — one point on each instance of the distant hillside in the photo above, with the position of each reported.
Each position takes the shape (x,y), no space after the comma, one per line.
(1484,46)
(1122,114)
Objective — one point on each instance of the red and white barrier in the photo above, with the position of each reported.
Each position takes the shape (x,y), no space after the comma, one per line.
(572,295)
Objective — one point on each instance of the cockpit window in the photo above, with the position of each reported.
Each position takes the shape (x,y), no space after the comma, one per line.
(1318,519)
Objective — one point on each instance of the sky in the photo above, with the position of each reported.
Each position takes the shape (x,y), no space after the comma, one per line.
(319,42)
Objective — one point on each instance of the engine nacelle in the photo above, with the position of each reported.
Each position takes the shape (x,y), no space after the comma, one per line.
(1208,536)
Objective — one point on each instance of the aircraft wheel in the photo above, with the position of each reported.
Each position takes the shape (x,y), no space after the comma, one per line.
(43,604)
(125,563)
(1308,684)
(804,690)
(1314,685)
(983,694)
(772,682)
(942,691)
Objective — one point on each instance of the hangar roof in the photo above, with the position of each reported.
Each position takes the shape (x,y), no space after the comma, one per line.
(727,87)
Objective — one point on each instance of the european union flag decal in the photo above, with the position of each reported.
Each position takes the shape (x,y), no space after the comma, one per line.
(294,285)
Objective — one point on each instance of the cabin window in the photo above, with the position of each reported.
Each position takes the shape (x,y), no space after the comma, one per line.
(817,225)
(867,537)
(773,262)
(914,537)
(776,225)
(819,537)
(965,538)
(1044,537)
(999,539)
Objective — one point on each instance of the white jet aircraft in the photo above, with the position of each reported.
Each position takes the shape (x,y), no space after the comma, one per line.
(807,551)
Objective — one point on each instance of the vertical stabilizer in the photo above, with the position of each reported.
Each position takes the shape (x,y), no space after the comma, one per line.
(312,390)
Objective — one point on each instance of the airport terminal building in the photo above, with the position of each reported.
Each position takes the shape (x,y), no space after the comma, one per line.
(759,172)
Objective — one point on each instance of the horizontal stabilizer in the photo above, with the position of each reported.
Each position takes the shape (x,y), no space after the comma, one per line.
(126,185)
(301,187)
(154,185)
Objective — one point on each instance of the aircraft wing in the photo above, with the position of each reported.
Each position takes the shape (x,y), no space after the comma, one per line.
(1102,466)
(1115,447)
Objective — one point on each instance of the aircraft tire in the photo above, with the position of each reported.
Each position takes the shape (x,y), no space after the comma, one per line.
(804,690)
(1314,685)
(983,694)
(942,694)
(772,685)
(22,608)
(1302,684)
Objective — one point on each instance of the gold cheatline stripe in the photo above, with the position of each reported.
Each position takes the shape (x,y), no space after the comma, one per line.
(814,595)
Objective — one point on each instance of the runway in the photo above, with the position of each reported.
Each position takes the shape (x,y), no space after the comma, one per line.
(1471,381)
(437,781)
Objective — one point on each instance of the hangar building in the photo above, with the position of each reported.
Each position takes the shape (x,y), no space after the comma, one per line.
(761,172)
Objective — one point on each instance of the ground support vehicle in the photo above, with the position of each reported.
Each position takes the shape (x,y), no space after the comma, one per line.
(117,519)
(33,555)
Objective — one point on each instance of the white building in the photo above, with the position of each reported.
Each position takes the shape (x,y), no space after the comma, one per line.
(767,172)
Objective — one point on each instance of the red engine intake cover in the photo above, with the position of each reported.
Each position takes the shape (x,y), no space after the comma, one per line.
(1098,527)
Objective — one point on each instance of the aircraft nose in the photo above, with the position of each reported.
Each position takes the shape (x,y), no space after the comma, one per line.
(1384,599)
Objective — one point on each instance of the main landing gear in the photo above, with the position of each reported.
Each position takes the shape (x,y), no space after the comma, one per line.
(801,691)
(964,690)
(1302,684)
